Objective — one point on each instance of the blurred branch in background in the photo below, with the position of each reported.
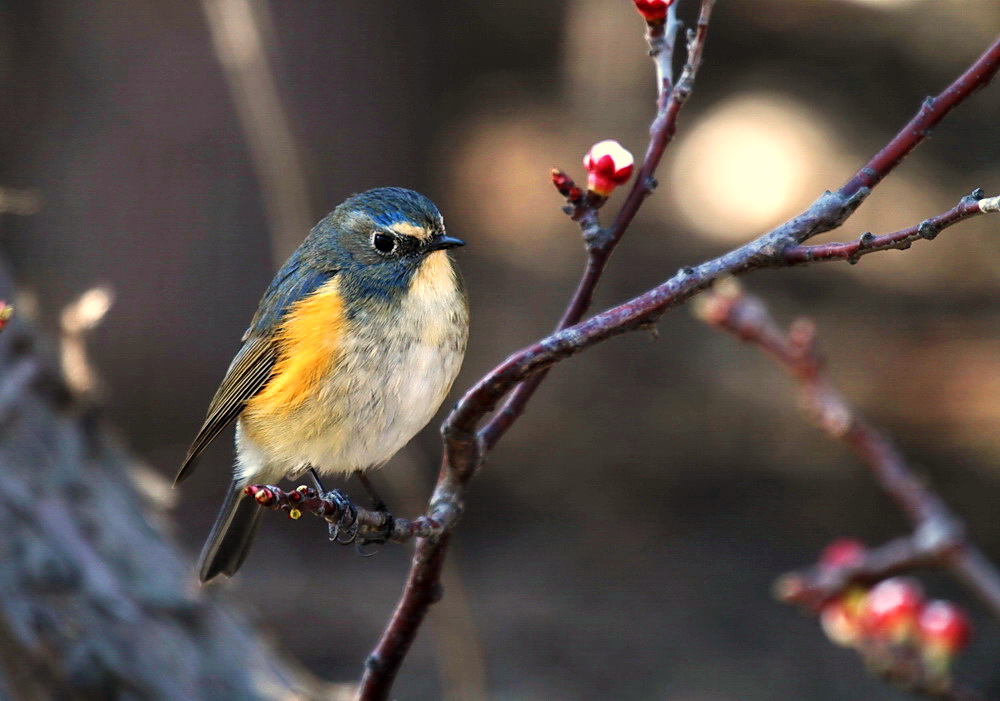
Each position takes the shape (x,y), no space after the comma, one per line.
(241,43)
(78,318)
(20,202)
(939,539)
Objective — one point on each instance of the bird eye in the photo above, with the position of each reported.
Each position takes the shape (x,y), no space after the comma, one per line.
(384,243)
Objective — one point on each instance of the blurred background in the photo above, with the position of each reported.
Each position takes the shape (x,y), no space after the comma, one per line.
(624,537)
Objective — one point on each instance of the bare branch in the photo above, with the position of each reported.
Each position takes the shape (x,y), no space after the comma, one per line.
(970,206)
(359,524)
(934,109)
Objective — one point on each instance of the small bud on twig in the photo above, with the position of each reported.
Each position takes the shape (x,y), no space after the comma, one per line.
(653,11)
(844,552)
(891,609)
(944,632)
(6,312)
(608,164)
(566,187)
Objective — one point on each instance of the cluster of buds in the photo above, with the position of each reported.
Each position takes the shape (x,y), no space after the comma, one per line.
(899,634)
(653,11)
(274,498)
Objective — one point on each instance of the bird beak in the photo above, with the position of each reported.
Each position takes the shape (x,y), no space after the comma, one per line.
(444,243)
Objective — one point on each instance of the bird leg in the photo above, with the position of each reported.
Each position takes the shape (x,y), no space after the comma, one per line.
(381,535)
(376,500)
(348,522)
(315,476)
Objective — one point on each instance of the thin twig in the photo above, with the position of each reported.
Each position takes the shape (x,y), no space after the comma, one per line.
(362,524)
(933,110)
(601,243)
(852,251)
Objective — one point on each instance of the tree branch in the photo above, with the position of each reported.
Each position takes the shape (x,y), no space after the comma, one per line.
(930,115)
(969,206)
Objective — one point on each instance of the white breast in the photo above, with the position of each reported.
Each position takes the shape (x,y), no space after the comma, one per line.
(390,381)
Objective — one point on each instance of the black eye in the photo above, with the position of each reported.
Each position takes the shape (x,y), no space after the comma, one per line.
(384,243)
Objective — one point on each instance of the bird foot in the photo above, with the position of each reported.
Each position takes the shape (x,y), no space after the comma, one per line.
(344,530)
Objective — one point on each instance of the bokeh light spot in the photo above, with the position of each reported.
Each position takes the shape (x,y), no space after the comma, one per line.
(748,163)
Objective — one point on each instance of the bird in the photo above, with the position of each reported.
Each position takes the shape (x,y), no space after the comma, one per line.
(352,350)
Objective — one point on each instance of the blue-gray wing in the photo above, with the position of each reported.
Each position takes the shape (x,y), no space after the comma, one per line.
(251,368)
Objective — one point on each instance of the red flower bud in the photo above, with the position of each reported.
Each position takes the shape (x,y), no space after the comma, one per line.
(608,164)
(944,629)
(845,552)
(891,609)
(565,185)
(653,10)
(6,312)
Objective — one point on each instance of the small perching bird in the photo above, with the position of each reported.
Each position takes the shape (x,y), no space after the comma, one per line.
(352,350)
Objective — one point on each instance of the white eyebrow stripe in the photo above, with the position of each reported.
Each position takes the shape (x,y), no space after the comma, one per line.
(407,229)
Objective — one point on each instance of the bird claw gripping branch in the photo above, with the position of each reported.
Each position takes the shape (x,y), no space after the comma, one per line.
(346,525)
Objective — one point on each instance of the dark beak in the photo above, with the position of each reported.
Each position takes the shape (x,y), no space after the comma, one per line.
(444,243)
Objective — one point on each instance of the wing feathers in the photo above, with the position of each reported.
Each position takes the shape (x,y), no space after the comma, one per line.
(248,373)
(251,368)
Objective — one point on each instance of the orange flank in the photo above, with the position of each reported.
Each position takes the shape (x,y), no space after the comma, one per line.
(308,342)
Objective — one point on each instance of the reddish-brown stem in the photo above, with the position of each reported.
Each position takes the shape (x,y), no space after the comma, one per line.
(512,409)
(422,590)
(602,242)
(662,130)
(852,251)
(930,115)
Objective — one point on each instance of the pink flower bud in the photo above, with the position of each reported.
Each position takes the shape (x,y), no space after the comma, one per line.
(891,609)
(944,629)
(845,552)
(608,164)
(6,312)
(653,10)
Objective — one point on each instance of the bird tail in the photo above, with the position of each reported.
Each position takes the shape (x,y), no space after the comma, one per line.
(231,537)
